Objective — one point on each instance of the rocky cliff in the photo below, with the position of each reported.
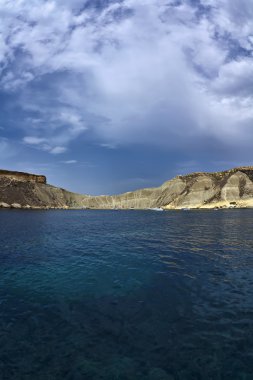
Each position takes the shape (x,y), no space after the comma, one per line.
(231,188)
(31,191)
(227,189)
(24,177)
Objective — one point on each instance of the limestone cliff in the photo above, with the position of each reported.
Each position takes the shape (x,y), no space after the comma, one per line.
(231,188)
(227,189)
(30,190)
(24,177)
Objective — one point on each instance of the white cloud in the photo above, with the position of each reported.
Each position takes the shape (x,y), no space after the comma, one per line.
(148,71)
(58,150)
(108,146)
(32,140)
(69,162)
(44,144)
(235,79)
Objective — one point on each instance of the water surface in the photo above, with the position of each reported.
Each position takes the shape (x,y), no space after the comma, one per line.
(126,295)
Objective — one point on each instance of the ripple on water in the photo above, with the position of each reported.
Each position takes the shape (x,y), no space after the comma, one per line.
(126,295)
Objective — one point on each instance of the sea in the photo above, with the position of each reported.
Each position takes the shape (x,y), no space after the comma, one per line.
(126,295)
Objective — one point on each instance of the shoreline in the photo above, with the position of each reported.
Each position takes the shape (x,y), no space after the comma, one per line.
(122,209)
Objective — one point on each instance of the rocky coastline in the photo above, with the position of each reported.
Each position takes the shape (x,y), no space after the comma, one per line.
(220,190)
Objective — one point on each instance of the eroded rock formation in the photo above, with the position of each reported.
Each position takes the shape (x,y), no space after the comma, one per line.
(227,189)
(24,177)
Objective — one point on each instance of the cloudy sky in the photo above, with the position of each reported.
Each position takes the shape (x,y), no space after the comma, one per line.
(105,96)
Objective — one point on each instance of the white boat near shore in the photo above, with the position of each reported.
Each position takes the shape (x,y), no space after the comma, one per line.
(156,209)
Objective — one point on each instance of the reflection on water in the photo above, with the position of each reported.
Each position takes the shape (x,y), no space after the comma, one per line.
(126,295)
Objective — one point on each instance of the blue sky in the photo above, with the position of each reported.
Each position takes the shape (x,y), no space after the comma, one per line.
(109,96)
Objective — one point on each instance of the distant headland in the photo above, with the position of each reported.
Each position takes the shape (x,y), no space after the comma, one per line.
(226,189)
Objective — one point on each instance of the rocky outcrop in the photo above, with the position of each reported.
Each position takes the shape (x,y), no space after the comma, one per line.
(4,205)
(34,194)
(24,177)
(16,205)
(227,189)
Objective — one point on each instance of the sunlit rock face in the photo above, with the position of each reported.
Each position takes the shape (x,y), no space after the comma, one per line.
(197,192)
(31,191)
(238,186)
(231,188)
(25,177)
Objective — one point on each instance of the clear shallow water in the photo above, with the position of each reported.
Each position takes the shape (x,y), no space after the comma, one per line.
(126,295)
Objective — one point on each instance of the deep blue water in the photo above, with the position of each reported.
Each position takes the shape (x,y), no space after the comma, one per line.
(126,295)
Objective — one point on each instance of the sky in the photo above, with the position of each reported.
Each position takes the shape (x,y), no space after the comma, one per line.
(107,96)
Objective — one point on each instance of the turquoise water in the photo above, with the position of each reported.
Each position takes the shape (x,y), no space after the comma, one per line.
(126,295)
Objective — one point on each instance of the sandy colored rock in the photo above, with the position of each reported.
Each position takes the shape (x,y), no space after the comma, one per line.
(228,189)
(27,207)
(16,205)
(4,205)
(20,176)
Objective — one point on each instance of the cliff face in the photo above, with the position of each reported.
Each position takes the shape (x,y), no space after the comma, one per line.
(24,177)
(24,189)
(231,188)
